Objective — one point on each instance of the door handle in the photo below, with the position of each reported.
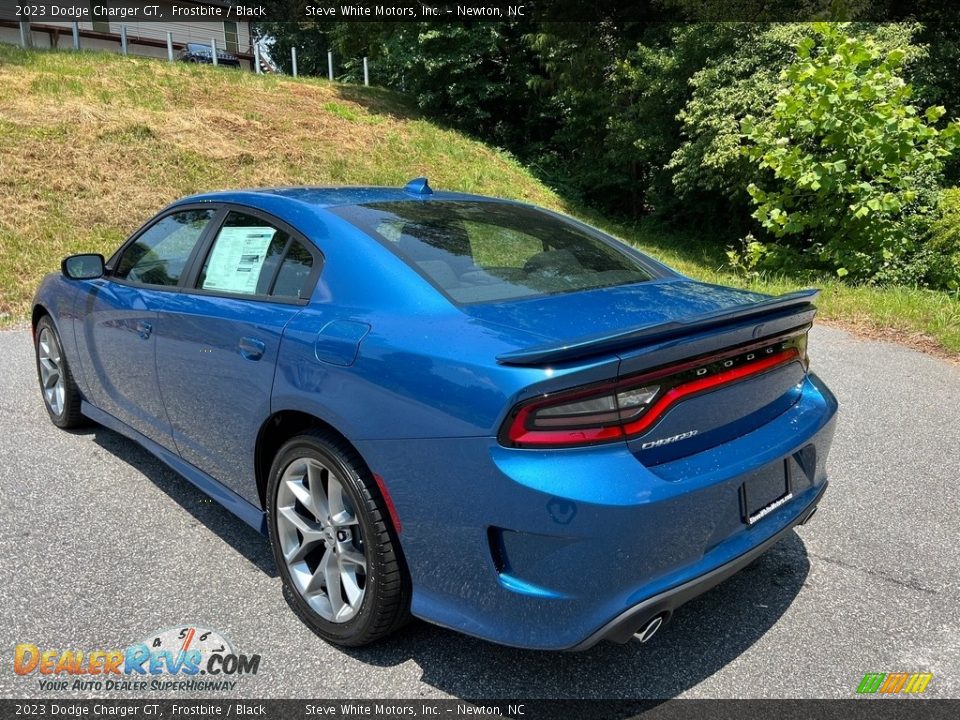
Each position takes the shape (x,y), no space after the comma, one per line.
(251,348)
(144,329)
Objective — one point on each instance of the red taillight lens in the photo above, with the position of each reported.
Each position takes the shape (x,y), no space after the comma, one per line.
(631,406)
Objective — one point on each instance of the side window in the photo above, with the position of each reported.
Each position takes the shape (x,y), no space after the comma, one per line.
(160,254)
(295,271)
(252,257)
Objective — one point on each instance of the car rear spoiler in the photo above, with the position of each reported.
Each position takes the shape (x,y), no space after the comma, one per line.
(647,334)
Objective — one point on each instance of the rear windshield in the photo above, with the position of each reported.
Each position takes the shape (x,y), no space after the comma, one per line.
(489,251)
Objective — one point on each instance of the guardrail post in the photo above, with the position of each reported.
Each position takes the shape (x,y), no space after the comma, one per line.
(26,37)
(366,72)
(293,57)
(256,59)
(330,65)
(170,46)
(76,35)
(213,49)
(123,39)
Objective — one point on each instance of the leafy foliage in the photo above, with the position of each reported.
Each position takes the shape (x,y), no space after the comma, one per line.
(852,163)
(944,241)
(642,119)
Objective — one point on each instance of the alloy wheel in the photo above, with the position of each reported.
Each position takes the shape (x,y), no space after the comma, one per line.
(51,371)
(321,540)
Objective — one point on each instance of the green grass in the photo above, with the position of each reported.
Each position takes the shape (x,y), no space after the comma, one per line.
(927,319)
(92,144)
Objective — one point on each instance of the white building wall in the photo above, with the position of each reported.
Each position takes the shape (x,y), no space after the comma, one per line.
(197,32)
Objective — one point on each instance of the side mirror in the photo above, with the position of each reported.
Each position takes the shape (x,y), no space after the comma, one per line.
(82,267)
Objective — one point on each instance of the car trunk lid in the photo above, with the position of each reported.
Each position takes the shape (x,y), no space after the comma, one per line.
(710,367)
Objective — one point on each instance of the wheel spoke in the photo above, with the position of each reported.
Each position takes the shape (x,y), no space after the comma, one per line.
(341,515)
(296,486)
(331,575)
(311,531)
(352,590)
(53,377)
(315,473)
(317,582)
(351,557)
(297,553)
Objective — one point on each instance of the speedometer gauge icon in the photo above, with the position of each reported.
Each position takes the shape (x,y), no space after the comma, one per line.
(185,638)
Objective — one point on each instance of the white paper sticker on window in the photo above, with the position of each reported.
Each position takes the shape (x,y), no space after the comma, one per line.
(237,258)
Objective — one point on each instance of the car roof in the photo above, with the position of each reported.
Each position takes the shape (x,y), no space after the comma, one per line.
(329,197)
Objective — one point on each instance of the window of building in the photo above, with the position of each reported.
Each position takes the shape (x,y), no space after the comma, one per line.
(231,36)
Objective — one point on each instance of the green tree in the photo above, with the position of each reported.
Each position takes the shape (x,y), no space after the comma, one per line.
(849,164)
(650,89)
(473,76)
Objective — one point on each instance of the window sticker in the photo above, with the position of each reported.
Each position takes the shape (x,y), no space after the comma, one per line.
(237,258)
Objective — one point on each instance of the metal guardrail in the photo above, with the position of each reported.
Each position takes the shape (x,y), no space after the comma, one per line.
(157,37)
(260,62)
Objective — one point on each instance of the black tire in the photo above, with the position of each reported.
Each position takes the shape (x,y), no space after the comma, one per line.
(68,414)
(384,607)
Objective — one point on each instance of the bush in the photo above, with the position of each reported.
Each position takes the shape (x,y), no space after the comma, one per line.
(851,166)
(943,244)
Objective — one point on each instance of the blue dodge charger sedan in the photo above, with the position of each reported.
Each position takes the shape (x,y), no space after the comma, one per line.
(472,411)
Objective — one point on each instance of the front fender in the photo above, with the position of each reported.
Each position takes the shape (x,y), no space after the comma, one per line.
(57,297)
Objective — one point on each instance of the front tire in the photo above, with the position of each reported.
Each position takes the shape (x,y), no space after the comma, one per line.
(61,396)
(333,542)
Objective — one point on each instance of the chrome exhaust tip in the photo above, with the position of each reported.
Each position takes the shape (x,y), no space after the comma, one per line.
(649,630)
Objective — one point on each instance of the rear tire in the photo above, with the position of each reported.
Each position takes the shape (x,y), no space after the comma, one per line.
(333,542)
(60,393)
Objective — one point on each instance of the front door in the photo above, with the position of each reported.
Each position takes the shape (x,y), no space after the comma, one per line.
(116,341)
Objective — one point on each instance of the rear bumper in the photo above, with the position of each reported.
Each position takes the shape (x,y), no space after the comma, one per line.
(623,627)
(557,549)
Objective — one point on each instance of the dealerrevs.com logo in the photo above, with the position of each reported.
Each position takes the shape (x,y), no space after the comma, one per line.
(184,659)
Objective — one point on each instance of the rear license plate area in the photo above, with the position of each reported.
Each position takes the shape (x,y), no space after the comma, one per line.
(764,491)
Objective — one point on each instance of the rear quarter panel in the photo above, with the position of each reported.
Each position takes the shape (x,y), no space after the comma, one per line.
(423,369)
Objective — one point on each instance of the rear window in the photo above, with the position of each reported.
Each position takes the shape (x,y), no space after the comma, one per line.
(488,251)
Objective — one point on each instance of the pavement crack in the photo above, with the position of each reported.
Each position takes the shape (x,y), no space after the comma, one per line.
(886,577)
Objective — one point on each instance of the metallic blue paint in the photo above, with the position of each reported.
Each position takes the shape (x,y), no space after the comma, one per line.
(529,547)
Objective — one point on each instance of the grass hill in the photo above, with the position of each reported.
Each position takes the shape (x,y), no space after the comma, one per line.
(92,144)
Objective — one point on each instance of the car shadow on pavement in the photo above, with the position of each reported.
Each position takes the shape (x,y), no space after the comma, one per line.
(704,636)
(231,529)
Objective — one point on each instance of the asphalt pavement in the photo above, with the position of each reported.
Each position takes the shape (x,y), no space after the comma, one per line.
(101,544)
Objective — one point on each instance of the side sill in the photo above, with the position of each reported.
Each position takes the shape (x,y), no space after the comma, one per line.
(250,514)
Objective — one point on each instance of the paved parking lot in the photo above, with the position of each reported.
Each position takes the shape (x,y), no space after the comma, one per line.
(101,544)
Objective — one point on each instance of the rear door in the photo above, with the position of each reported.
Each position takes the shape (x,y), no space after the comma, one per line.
(115,333)
(217,340)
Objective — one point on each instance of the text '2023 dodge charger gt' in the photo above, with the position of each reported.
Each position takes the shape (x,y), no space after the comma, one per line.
(464,409)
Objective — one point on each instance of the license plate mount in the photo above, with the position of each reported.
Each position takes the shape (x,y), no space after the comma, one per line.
(764,491)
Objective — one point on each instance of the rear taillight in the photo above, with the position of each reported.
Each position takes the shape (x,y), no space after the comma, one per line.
(629,407)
